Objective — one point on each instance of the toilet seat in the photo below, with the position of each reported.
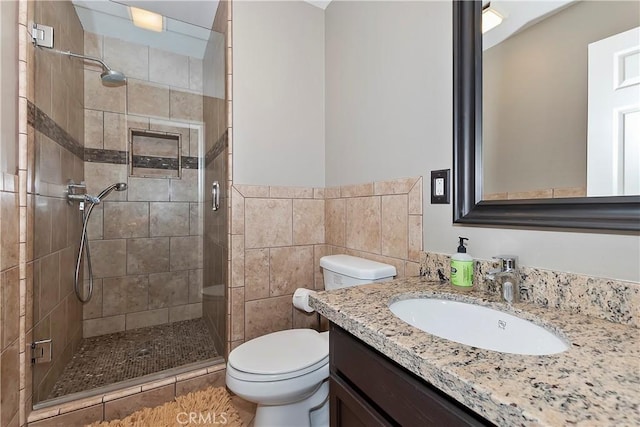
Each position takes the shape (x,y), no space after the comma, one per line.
(280,355)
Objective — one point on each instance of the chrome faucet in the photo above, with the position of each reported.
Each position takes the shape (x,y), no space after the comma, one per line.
(506,277)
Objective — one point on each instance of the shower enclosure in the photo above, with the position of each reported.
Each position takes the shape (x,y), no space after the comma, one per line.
(117,107)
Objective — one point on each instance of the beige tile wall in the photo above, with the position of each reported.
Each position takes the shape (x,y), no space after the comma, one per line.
(58,89)
(279,235)
(146,251)
(16,393)
(146,242)
(380,221)
(277,241)
(153,98)
(11,313)
(52,227)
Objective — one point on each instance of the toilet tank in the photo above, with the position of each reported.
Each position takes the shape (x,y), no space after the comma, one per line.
(342,271)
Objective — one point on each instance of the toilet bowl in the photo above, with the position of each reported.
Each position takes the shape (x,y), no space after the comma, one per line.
(286,373)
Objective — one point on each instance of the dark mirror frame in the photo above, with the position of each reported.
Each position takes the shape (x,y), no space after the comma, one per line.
(604,213)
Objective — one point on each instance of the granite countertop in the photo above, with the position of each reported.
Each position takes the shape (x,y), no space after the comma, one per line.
(595,382)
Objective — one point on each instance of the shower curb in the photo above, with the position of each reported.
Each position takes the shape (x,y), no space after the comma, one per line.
(86,406)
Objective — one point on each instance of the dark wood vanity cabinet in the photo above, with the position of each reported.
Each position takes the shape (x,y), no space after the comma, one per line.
(368,389)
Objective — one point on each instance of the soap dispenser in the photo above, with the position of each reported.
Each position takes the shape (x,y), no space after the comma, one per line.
(462,266)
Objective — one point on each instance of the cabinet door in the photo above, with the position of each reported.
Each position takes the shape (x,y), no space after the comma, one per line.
(348,409)
(403,398)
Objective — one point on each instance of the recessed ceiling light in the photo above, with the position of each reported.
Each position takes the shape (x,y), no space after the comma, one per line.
(147,20)
(490,19)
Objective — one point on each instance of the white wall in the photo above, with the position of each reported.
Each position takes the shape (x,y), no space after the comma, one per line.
(553,101)
(278,93)
(9,86)
(388,90)
(388,106)
(388,113)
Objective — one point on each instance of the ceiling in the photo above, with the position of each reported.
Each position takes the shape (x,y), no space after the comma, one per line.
(187,23)
(519,15)
(322,4)
(199,13)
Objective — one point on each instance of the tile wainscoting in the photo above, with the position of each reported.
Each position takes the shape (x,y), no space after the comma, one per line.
(279,235)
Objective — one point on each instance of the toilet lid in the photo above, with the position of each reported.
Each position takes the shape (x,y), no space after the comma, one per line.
(280,352)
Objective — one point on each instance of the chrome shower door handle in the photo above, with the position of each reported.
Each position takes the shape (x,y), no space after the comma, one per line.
(215,195)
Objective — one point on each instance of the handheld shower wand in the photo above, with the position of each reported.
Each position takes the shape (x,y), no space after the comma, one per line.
(91,202)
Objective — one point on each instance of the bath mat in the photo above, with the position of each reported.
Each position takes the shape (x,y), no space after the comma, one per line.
(209,407)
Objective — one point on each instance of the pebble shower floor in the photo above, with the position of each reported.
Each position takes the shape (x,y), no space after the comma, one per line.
(108,359)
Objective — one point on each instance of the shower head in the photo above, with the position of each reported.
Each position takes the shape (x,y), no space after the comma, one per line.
(119,186)
(113,78)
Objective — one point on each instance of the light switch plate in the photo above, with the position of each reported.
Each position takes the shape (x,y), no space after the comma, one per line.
(440,186)
(439,190)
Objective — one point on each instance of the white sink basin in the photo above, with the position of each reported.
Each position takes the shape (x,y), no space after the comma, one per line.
(478,326)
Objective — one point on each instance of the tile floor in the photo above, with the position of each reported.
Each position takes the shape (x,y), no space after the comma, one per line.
(108,359)
(247,410)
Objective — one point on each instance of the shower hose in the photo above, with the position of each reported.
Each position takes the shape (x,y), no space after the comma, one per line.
(84,247)
(89,203)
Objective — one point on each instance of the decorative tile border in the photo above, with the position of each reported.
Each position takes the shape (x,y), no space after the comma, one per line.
(46,125)
(220,145)
(118,157)
(147,162)
(98,155)
(189,162)
(613,300)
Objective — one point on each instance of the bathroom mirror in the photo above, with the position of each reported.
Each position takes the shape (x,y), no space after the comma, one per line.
(607,213)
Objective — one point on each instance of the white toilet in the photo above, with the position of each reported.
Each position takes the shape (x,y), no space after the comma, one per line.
(286,373)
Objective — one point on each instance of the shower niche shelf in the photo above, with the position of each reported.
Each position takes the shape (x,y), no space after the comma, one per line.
(154,154)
